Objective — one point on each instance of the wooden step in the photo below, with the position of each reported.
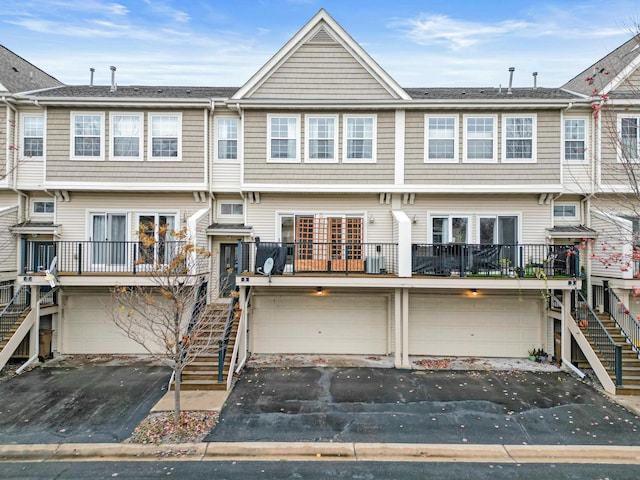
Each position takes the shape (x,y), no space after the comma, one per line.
(628,390)
(202,385)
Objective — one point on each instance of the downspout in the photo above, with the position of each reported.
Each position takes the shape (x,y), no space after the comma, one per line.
(210,149)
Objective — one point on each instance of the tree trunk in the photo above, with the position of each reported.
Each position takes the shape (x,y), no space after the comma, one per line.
(176,395)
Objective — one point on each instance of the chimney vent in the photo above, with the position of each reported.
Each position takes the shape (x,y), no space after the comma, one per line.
(92,71)
(535,80)
(511,70)
(114,87)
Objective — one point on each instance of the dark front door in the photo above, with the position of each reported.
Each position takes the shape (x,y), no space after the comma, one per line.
(228,266)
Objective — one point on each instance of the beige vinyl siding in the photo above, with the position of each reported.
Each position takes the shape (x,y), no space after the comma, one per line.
(225,177)
(7,240)
(4,140)
(533,217)
(612,241)
(546,170)
(263,217)
(631,83)
(61,168)
(613,174)
(73,215)
(257,170)
(321,71)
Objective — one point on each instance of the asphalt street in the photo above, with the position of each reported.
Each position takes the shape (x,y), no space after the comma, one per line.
(441,406)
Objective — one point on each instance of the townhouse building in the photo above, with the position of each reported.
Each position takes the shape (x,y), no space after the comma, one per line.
(353,215)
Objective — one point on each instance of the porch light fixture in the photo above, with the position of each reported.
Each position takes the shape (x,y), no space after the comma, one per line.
(415,219)
(371,218)
(319,291)
(474,292)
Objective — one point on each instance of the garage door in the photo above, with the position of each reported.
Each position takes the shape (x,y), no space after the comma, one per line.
(486,327)
(332,324)
(87,328)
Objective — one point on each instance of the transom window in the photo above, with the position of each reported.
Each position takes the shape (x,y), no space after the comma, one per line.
(359,137)
(628,144)
(480,142)
(321,142)
(227,134)
(519,144)
(284,136)
(165,132)
(441,139)
(87,135)
(126,135)
(43,207)
(33,136)
(566,211)
(574,138)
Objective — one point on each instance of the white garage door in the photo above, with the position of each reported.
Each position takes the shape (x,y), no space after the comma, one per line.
(484,327)
(87,328)
(330,324)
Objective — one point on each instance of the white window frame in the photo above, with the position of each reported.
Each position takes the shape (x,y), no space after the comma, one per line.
(534,128)
(456,139)
(230,215)
(496,216)
(24,136)
(374,139)
(560,218)
(218,138)
(307,139)
(44,201)
(585,159)
(621,157)
(494,140)
(112,137)
(296,158)
(150,156)
(72,133)
(449,217)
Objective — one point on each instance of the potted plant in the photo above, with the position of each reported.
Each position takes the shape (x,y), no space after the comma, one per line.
(532,354)
(541,355)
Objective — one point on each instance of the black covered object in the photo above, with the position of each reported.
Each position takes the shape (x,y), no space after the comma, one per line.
(271,250)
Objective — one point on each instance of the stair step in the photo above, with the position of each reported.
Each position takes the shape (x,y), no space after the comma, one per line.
(628,390)
(202,385)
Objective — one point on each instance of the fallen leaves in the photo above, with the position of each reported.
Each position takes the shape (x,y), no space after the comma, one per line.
(160,428)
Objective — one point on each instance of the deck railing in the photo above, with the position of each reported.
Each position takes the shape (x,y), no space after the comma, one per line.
(103,257)
(625,320)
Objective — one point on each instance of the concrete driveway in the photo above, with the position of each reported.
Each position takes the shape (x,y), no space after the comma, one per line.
(79,401)
(328,404)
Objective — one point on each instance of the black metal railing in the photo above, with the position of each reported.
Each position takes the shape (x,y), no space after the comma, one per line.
(104,257)
(14,309)
(318,257)
(609,350)
(498,260)
(226,335)
(625,320)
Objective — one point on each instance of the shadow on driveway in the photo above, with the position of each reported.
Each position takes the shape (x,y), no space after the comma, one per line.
(78,404)
(440,406)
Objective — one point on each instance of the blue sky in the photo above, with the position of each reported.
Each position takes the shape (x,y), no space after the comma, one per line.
(220,43)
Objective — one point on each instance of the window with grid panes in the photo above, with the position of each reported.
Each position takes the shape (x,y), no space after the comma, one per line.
(87,135)
(518,138)
(321,138)
(33,136)
(359,138)
(441,138)
(480,138)
(574,138)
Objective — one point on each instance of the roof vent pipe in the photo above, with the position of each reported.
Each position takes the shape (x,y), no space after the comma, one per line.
(92,70)
(511,70)
(114,87)
(535,80)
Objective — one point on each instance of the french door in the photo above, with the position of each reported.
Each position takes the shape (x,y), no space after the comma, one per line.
(162,245)
(109,236)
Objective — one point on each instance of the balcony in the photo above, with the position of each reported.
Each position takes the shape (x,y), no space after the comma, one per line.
(106,257)
(539,261)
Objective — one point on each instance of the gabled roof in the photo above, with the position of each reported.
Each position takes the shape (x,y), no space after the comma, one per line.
(322,28)
(19,75)
(607,73)
(134,91)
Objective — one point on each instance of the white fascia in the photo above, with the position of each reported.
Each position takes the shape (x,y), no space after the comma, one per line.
(119,187)
(359,188)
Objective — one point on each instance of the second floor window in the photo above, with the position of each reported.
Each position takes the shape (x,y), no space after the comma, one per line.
(628,145)
(480,139)
(321,139)
(574,138)
(165,130)
(519,138)
(227,134)
(126,132)
(33,136)
(87,136)
(283,138)
(441,139)
(359,139)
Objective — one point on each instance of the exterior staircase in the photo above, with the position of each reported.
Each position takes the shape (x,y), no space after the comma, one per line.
(202,373)
(13,329)
(630,360)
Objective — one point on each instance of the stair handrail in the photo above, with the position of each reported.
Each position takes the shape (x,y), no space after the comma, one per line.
(608,348)
(226,335)
(9,310)
(628,323)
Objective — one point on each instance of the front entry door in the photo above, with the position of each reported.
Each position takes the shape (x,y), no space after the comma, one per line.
(228,266)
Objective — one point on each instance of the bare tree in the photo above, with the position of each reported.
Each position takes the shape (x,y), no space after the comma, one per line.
(166,317)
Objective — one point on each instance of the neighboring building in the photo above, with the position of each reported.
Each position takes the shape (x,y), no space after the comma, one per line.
(354,215)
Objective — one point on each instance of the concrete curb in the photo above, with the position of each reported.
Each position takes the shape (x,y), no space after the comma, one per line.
(307,451)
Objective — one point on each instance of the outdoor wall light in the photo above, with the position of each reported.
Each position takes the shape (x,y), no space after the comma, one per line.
(319,291)
(415,219)
(371,218)
(474,292)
